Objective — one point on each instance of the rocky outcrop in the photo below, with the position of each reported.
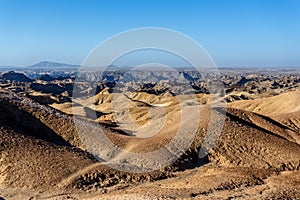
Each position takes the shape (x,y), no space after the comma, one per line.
(46,77)
(51,88)
(14,76)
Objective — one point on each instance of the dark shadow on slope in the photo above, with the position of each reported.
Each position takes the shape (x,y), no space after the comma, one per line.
(275,122)
(269,120)
(14,116)
(242,121)
(189,160)
(94,115)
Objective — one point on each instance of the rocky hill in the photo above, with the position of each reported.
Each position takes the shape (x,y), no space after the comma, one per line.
(13,76)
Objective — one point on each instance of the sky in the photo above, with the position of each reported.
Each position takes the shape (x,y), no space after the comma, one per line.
(235,33)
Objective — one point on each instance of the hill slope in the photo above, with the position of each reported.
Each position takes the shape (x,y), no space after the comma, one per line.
(41,150)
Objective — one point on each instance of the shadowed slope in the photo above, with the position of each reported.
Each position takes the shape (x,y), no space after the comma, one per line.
(34,163)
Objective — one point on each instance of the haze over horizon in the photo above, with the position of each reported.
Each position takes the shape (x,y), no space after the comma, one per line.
(235,33)
(54,64)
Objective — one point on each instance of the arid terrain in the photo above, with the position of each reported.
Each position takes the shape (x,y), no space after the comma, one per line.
(44,155)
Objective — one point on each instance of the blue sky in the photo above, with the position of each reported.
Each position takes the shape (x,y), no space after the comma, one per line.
(234,32)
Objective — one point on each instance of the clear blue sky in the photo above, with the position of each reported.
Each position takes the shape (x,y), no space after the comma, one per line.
(234,32)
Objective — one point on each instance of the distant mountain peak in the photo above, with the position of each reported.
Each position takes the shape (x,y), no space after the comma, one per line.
(49,64)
